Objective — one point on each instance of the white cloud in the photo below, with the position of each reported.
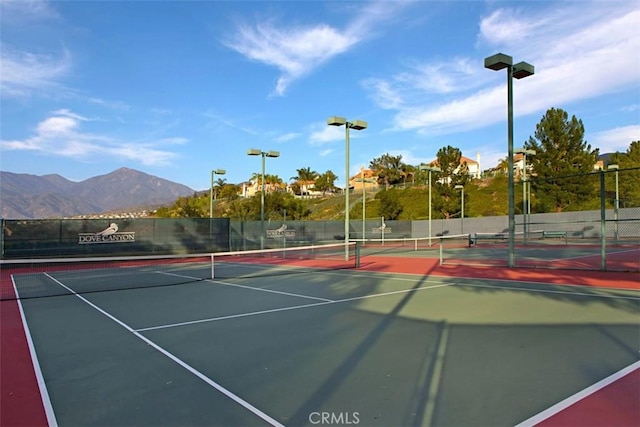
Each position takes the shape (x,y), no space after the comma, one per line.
(24,73)
(61,135)
(323,134)
(297,51)
(287,137)
(616,139)
(588,56)
(19,12)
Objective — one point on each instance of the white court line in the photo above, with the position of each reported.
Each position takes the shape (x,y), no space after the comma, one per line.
(295,307)
(374,274)
(561,406)
(232,316)
(484,279)
(177,360)
(594,255)
(245,286)
(42,386)
(550,291)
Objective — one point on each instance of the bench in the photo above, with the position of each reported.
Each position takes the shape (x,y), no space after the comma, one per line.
(558,234)
(562,234)
(473,238)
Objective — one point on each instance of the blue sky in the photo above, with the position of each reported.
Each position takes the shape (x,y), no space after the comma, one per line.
(178,88)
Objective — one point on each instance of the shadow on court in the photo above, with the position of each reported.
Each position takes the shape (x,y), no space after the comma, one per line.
(377,348)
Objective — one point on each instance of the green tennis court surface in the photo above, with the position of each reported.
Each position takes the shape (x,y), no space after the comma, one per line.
(340,347)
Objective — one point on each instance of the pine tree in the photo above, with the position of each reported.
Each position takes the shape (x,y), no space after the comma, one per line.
(453,173)
(562,163)
(629,177)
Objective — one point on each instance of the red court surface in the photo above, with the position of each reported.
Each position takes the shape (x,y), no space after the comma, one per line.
(430,266)
(616,404)
(20,401)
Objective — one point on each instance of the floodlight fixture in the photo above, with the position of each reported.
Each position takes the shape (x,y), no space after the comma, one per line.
(336,121)
(358,124)
(429,168)
(525,151)
(498,61)
(522,70)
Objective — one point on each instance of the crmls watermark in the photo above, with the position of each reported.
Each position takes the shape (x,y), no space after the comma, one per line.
(334,418)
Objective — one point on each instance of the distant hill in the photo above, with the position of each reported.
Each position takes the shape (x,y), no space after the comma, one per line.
(24,196)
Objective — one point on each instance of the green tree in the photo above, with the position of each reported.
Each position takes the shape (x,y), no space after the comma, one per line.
(217,185)
(409,174)
(390,206)
(561,152)
(187,207)
(305,175)
(229,192)
(325,182)
(453,172)
(629,176)
(388,168)
(277,203)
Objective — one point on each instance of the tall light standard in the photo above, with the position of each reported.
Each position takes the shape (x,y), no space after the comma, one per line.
(364,207)
(526,203)
(461,187)
(357,125)
(616,205)
(258,152)
(518,71)
(213,173)
(430,169)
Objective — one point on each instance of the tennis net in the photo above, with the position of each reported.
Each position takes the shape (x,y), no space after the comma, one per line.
(34,278)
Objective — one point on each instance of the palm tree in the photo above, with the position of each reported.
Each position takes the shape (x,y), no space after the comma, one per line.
(218,184)
(273,181)
(305,175)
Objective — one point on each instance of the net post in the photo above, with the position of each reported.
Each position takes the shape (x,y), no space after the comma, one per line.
(357,254)
(441,256)
(212,267)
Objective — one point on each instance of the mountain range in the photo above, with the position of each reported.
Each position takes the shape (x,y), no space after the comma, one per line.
(25,196)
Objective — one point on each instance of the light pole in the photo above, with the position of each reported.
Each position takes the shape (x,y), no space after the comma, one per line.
(430,169)
(357,125)
(364,208)
(258,152)
(526,203)
(518,71)
(461,187)
(616,204)
(213,173)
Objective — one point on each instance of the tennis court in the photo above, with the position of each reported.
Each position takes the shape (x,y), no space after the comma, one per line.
(314,338)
